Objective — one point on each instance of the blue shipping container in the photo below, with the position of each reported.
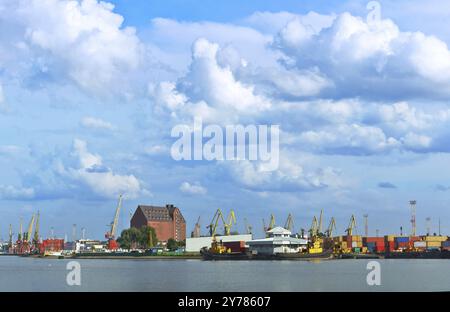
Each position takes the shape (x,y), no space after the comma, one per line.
(446,244)
(402,239)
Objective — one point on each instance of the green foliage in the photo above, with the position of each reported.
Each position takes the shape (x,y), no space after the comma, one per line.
(172,244)
(144,237)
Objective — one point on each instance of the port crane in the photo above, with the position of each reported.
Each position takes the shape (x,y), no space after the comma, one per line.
(289,225)
(248,228)
(331,228)
(27,235)
(272,222)
(196,231)
(231,220)
(215,222)
(319,226)
(36,233)
(111,234)
(351,226)
(314,228)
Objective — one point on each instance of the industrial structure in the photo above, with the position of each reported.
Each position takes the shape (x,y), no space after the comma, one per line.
(167,221)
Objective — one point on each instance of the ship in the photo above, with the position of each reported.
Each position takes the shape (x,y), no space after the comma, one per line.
(218,251)
(429,254)
(207,254)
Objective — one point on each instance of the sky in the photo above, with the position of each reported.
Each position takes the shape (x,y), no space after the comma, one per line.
(89,93)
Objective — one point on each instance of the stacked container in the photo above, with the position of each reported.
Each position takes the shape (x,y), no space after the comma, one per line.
(435,242)
(446,245)
(420,245)
(374,244)
(389,243)
(401,242)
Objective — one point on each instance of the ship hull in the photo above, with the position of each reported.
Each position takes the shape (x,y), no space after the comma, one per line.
(295,256)
(419,255)
(207,255)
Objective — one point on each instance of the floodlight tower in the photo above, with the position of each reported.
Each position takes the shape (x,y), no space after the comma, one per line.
(428,225)
(366,224)
(412,203)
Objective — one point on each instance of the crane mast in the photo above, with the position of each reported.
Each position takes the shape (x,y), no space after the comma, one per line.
(112,244)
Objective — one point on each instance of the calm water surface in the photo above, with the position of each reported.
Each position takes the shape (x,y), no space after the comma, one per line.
(28,274)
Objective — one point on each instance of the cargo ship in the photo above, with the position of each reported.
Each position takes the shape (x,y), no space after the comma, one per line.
(428,254)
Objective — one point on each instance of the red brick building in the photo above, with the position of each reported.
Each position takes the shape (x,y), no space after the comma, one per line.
(167,221)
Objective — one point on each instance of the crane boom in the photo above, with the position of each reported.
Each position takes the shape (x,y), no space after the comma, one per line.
(319,229)
(36,229)
(289,223)
(314,227)
(116,218)
(351,226)
(215,222)
(10,236)
(230,221)
(331,227)
(30,230)
(272,222)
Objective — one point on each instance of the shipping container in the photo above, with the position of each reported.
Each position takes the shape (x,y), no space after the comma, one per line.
(389,238)
(234,246)
(420,244)
(401,239)
(436,238)
(446,244)
(379,249)
(434,244)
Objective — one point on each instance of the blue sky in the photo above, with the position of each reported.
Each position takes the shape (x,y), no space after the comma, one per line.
(89,93)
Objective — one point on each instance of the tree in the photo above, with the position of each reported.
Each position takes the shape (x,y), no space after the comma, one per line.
(172,244)
(149,238)
(144,237)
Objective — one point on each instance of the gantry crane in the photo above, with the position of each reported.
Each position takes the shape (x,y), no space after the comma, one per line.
(351,226)
(289,225)
(111,235)
(231,220)
(196,231)
(331,228)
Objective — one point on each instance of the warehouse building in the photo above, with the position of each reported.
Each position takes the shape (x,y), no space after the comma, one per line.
(167,221)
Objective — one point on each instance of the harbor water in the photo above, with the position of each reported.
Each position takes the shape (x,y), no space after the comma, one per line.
(31,274)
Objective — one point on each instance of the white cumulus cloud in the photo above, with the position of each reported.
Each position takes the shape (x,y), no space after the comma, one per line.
(195,189)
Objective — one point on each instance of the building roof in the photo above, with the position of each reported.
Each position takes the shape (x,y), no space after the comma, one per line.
(278,241)
(279,230)
(157,213)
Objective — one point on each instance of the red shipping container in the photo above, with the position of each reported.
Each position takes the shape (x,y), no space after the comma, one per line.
(234,246)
